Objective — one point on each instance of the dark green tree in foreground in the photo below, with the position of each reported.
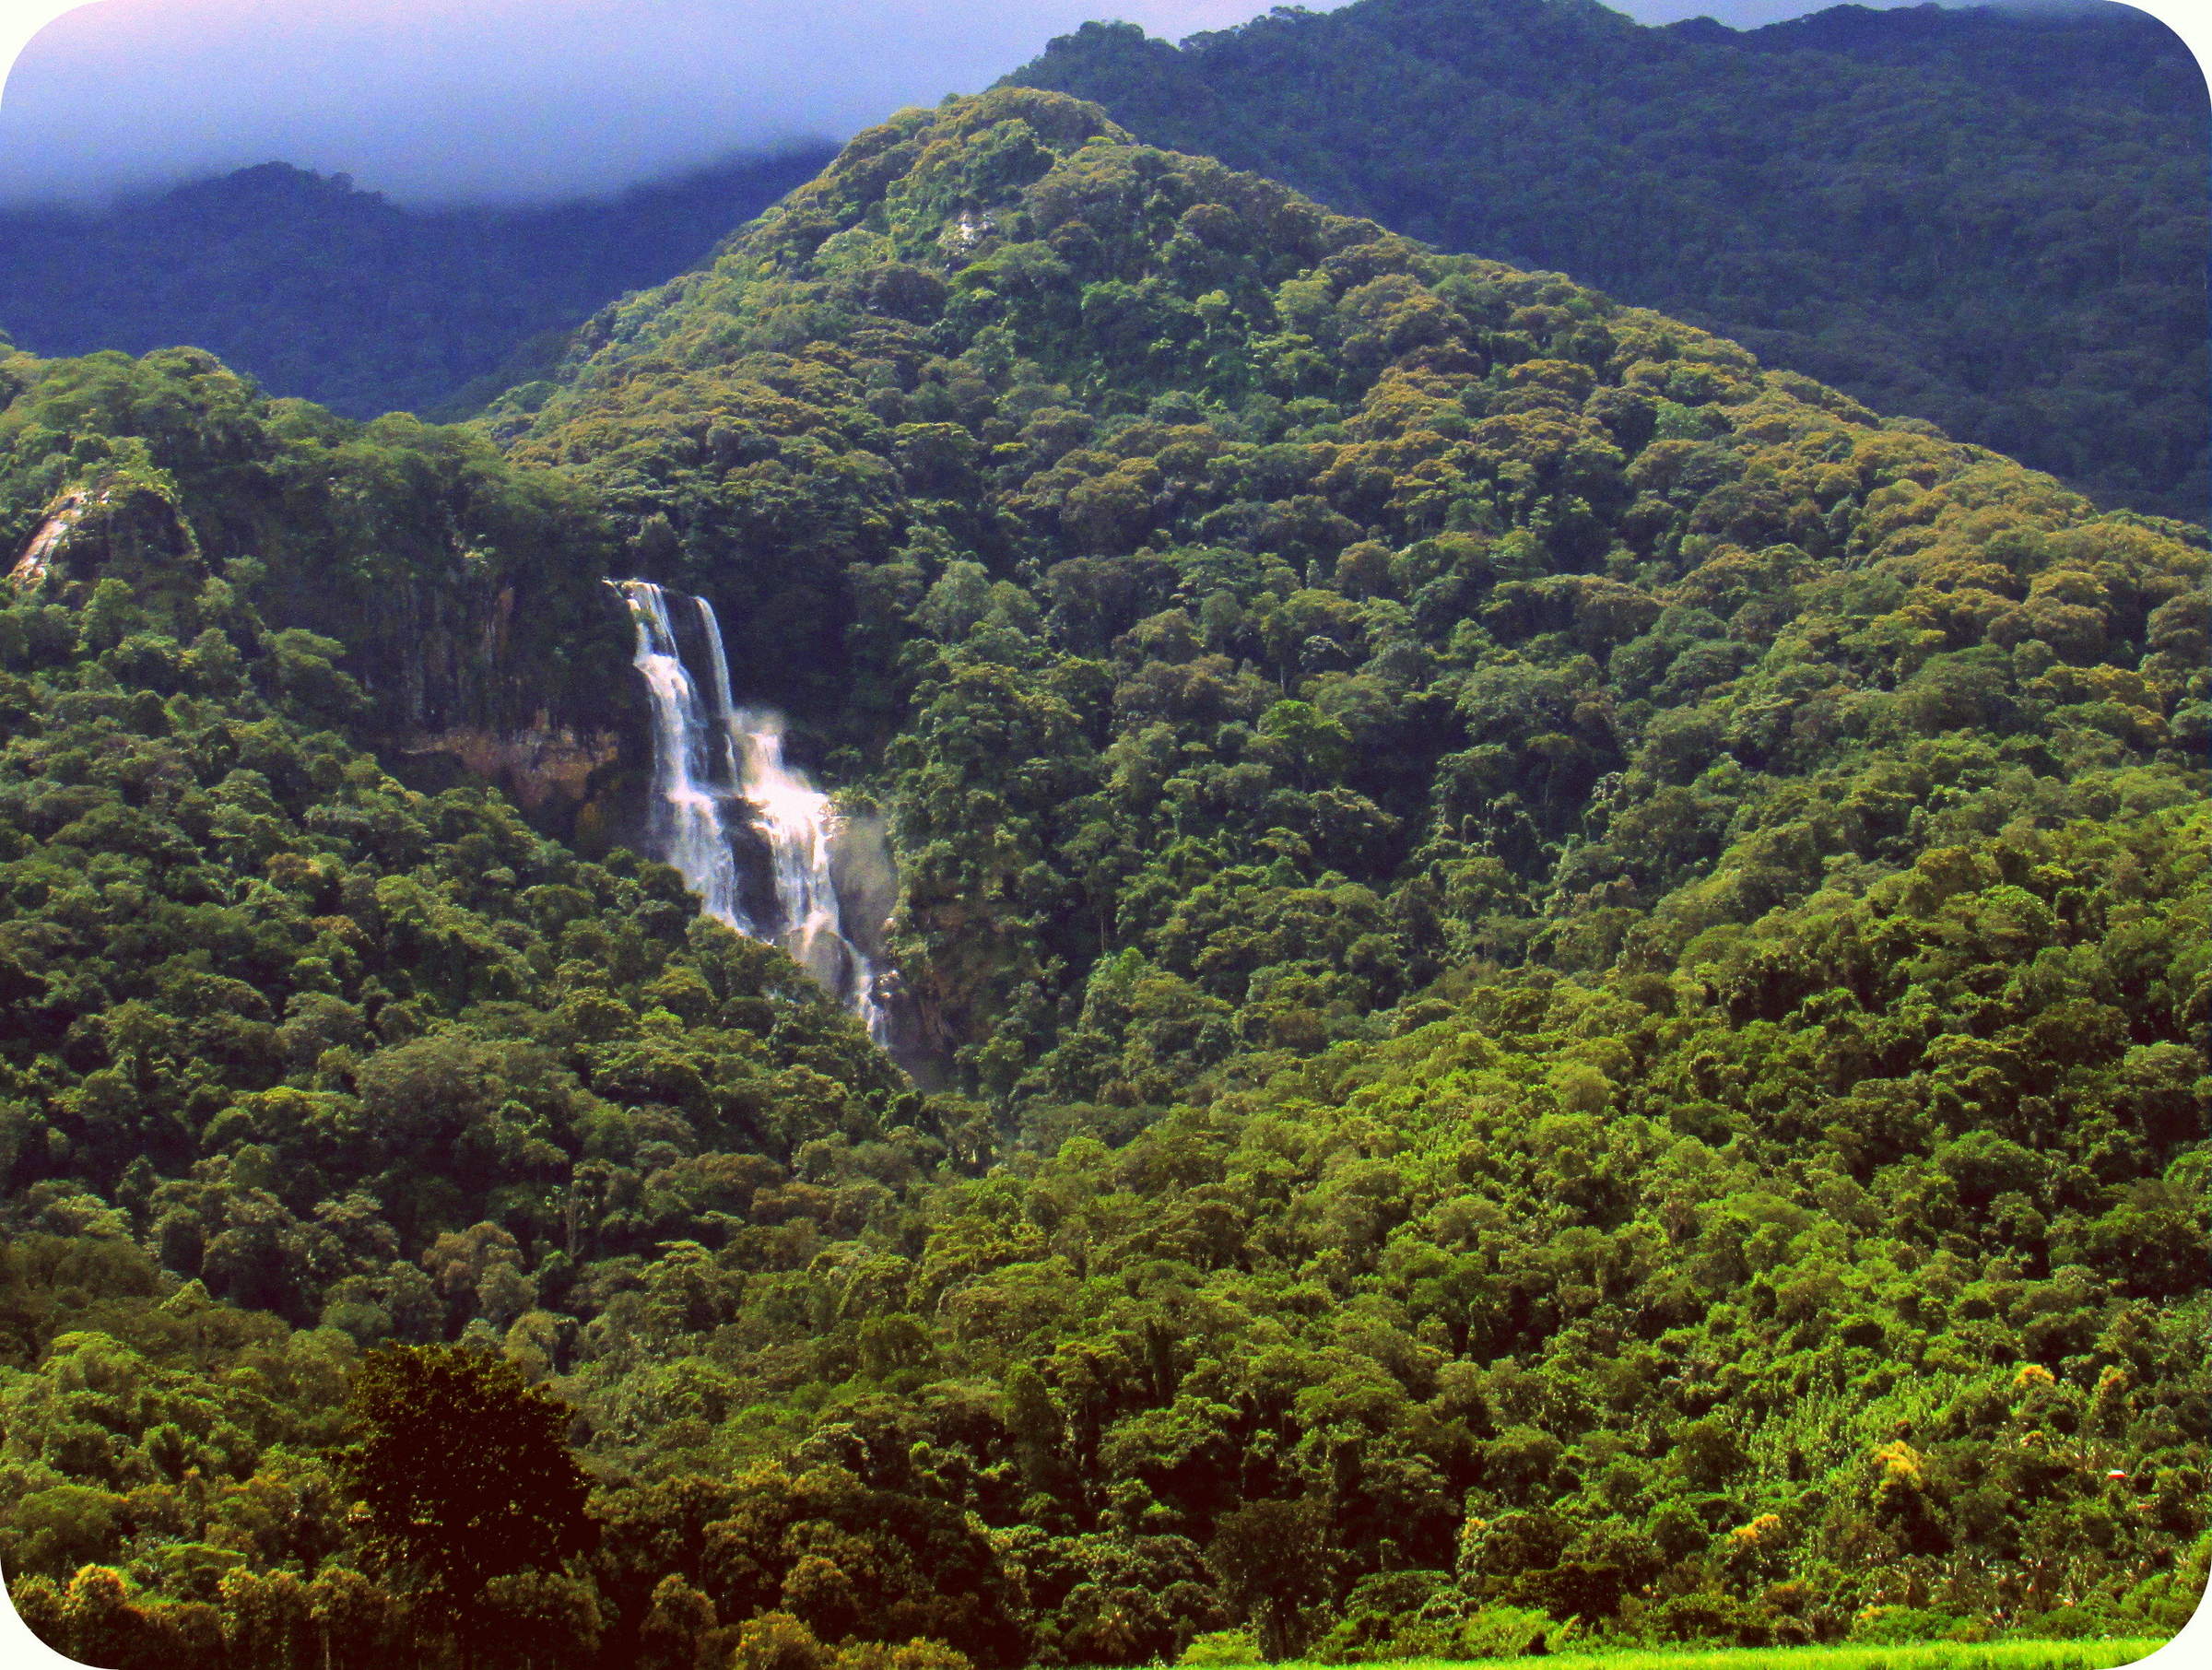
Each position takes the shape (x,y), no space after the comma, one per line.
(1273,1559)
(465,1469)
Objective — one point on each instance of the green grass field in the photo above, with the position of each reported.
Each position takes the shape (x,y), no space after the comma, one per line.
(1922,1655)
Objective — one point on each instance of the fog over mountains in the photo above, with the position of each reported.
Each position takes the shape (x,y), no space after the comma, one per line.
(526,100)
(435,102)
(1986,219)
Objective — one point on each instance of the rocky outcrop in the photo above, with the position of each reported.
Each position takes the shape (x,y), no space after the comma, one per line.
(121,528)
(482,672)
(539,768)
(517,677)
(37,560)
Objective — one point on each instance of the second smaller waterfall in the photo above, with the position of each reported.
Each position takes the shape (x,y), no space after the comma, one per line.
(718,770)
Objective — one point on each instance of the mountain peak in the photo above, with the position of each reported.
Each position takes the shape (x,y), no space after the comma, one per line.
(1778,185)
(268,185)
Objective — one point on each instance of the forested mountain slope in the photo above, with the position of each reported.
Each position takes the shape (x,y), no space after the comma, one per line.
(319,289)
(1574,972)
(1994,219)
(225,920)
(1234,563)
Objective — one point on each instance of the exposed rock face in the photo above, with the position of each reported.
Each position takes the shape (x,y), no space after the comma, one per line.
(38,556)
(513,673)
(535,766)
(466,651)
(866,878)
(456,685)
(484,672)
(121,527)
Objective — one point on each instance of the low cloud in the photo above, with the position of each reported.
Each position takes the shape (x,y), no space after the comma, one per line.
(523,100)
(440,100)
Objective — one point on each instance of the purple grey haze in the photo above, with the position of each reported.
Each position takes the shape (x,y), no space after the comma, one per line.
(435,100)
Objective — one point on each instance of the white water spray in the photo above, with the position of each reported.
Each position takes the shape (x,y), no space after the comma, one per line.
(711,772)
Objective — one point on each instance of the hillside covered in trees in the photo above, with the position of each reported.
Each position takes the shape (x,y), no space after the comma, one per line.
(1992,219)
(1565,979)
(322,291)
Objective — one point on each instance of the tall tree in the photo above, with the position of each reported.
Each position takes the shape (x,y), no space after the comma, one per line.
(1274,1560)
(465,1469)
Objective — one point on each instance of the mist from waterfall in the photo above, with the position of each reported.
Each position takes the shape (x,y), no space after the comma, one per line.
(718,768)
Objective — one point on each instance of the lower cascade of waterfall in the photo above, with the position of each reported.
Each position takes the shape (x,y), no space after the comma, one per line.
(720,788)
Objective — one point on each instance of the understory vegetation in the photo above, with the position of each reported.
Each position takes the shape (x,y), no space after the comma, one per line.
(1564,982)
(1922,1655)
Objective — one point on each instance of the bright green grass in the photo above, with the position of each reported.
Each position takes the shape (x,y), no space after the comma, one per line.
(1920,1655)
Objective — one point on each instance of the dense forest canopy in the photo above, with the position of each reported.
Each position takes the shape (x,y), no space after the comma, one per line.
(322,291)
(1567,977)
(1992,219)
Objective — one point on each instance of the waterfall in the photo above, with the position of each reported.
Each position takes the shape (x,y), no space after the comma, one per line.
(684,822)
(716,771)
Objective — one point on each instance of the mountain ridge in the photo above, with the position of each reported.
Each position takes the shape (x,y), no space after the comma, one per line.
(324,290)
(657,358)
(1901,212)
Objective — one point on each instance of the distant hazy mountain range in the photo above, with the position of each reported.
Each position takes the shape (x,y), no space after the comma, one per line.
(322,289)
(1994,219)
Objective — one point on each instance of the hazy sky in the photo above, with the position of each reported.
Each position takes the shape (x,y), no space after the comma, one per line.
(440,99)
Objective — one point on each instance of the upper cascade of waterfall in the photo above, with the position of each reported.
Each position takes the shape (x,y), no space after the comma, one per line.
(685,820)
(719,773)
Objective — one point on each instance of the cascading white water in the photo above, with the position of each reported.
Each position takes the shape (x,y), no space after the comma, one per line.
(708,770)
(685,821)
